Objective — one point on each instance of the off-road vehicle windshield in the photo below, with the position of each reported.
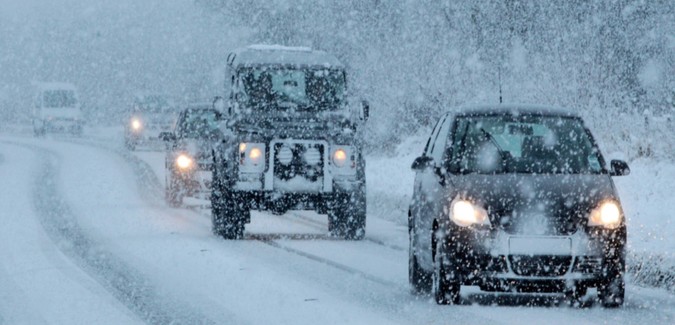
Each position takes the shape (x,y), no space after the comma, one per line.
(152,105)
(59,98)
(307,88)
(200,124)
(523,144)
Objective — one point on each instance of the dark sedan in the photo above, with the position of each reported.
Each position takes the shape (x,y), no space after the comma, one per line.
(516,199)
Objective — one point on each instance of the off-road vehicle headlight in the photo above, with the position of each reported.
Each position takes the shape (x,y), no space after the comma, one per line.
(464,213)
(339,157)
(607,214)
(251,156)
(343,160)
(184,162)
(136,124)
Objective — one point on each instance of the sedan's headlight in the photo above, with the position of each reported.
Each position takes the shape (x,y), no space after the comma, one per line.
(607,214)
(136,124)
(464,213)
(184,162)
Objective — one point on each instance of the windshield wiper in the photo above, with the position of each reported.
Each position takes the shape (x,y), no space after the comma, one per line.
(505,155)
(494,142)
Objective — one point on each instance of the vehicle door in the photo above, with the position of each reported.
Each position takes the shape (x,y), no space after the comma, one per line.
(428,193)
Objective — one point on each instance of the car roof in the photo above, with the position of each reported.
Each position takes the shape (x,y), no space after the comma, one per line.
(56,86)
(513,109)
(199,105)
(257,55)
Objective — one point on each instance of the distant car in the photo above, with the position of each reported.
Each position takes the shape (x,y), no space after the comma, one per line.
(147,117)
(189,156)
(516,199)
(57,108)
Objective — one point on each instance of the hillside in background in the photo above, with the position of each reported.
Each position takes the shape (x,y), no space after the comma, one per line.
(610,60)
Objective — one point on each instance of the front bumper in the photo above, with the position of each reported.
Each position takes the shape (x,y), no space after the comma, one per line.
(321,201)
(195,182)
(60,124)
(498,261)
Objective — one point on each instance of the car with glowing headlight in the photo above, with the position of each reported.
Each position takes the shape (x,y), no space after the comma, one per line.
(148,116)
(296,142)
(57,108)
(189,153)
(517,199)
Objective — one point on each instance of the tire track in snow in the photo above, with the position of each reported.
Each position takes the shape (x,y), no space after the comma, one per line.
(325,261)
(126,284)
(148,181)
(320,226)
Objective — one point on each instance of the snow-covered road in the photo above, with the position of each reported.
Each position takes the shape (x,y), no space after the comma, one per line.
(86,238)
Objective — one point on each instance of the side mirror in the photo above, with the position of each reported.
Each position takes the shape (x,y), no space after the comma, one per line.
(619,168)
(421,163)
(365,110)
(219,104)
(167,136)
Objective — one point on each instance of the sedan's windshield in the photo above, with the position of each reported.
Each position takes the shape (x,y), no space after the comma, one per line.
(523,144)
(298,88)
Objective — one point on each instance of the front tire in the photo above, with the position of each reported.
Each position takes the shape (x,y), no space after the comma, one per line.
(420,280)
(39,132)
(174,195)
(612,292)
(130,143)
(347,217)
(228,215)
(446,290)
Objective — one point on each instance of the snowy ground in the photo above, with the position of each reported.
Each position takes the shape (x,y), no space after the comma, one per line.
(87,238)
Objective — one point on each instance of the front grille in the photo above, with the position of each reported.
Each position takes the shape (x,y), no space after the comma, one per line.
(554,221)
(588,265)
(293,160)
(541,265)
(497,265)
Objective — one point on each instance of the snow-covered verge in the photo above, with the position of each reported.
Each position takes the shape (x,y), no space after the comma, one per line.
(390,180)
(646,194)
(647,198)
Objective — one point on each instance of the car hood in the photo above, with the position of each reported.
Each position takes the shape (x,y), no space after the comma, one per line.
(299,124)
(535,204)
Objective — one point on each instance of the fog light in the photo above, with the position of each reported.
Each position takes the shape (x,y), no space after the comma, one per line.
(285,155)
(312,156)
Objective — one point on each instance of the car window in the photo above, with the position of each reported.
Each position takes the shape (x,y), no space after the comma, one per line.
(523,144)
(198,123)
(59,98)
(432,137)
(152,105)
(439,144)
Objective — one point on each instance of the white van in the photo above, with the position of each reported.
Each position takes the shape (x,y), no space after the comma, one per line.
(57,108)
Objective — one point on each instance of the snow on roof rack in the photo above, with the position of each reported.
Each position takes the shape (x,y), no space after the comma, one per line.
(276,47)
